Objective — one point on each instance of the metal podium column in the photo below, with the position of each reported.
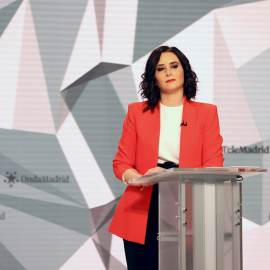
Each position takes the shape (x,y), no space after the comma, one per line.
(200,226)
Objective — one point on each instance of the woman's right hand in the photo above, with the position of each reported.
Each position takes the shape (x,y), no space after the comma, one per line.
(130,174)
(154,170)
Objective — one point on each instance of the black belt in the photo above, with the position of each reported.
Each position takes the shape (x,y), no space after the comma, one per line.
(168,165)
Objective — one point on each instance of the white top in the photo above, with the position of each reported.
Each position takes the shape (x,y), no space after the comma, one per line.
(170,132)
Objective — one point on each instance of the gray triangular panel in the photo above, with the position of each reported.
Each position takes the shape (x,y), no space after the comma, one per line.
(8,261)
(102,215)
(239,2)
(158,21)
(109,261)
(98,71)
(41,155)
(68,98)
(115,264)
(258,94)
(57,24)
(70,217)
(72,93)
(103,240)
(125,89)
(103,125)
(35,242)
(266,183)
(8,167)
(7,13)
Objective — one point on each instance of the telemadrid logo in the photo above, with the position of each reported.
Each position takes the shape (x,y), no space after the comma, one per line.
(12,178)
(246,149)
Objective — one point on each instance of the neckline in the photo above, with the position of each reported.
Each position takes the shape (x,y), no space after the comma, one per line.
(171,107)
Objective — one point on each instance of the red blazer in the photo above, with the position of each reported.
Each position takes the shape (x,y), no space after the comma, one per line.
(200,146)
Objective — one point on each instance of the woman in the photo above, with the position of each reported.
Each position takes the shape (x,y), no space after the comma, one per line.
(168,130)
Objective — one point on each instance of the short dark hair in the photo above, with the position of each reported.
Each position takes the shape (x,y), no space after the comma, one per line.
(148,85)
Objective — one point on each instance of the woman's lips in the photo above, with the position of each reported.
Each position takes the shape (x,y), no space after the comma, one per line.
(171,80)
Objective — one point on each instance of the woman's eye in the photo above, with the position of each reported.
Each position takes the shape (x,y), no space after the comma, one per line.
(175,66)
(160,69)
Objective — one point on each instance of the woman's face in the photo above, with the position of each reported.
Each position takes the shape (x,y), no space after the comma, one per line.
(169,74)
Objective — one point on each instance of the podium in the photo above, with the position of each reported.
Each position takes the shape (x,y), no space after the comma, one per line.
(200,216)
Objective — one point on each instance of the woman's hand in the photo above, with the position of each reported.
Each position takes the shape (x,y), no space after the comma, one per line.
(130,174)
(154,170)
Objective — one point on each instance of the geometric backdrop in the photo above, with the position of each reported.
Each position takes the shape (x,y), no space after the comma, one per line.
(69,69)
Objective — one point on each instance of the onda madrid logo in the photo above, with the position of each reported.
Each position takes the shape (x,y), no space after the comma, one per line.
(12,178)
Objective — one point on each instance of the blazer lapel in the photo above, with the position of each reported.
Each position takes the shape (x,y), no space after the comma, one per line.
(151,126)
(186,132)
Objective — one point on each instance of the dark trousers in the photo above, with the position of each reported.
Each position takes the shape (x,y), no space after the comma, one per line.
(138,256)
(145,257)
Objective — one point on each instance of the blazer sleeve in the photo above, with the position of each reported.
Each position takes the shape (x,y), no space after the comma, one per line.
(126,154)
(212,152)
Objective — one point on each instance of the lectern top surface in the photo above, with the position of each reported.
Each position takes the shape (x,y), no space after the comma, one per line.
(209,174)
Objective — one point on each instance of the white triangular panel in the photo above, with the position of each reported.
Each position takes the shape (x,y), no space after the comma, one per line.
(86,52)
(87,257)
(256,248)
(90,179)
(32,107)
(248,225)
(246,30)
(117,249)
(238,126)
(10,54)
(119,31)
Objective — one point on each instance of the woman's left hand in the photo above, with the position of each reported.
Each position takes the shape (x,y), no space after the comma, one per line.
(154,170)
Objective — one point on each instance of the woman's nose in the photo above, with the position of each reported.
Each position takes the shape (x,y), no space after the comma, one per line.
(168,72)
